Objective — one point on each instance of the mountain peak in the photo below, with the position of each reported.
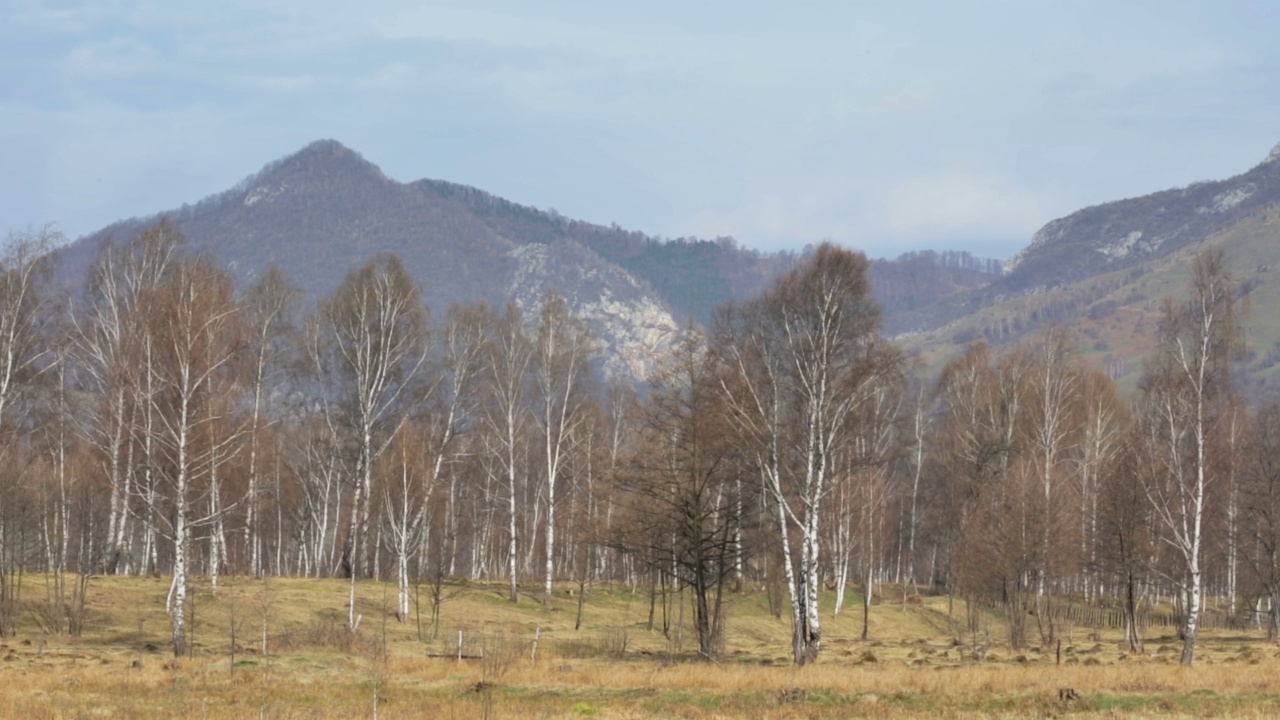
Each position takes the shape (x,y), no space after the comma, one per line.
(329,147)
(322,157)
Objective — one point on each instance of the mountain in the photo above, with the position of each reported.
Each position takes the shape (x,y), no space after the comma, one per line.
(324,210)
(1104,271)
(1123,234)
(923,282)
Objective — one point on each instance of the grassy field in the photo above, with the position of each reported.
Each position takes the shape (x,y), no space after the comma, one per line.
(614,667)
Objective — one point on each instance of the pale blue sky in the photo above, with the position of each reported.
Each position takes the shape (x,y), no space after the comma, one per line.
(886,126)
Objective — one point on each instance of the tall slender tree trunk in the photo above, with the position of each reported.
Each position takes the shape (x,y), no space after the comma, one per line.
(548,589)
(181,530)
(118,522)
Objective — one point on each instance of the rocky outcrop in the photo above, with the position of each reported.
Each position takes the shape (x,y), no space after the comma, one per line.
(1118,234)
(634,329)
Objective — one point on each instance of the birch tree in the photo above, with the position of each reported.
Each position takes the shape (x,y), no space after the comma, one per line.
(919,431)
(192,318)
(875,443)
(24,313)
(114,348)
(803,357)
(407,489)
(374,344)
(377,332)
(1183,393)
(972,457)
(507,365)
(1054,385)
(1227,445)
(563,347)
(1126,537)
(444,402)
(315,457)
(1260,495)
(269,305)
(24,321)
(1103,419)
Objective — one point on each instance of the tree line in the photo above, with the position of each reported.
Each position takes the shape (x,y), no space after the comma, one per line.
(159,420)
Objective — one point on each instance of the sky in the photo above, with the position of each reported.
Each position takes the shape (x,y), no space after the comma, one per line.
(883,126)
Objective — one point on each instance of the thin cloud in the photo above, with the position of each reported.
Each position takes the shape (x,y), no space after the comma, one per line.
(961,204)
(778,123)
(114,58)
(285,83)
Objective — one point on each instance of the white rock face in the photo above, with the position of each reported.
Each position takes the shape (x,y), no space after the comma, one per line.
(1124,246)
(1046,234)
(633,328)
(1233,197)
(261,193)
(531,272)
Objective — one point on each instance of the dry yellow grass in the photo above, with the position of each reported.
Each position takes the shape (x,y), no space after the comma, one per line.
(612,668)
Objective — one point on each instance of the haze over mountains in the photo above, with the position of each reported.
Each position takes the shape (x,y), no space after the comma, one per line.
(1104,271)
(324,210)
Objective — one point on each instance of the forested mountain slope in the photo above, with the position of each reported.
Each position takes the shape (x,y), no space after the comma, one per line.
(1104,271)
(324,210)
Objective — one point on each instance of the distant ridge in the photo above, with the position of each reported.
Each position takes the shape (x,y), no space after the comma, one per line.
(1122,233)
(323,210)
(1103,272)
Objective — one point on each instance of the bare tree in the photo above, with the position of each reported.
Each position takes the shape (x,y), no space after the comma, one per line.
(919,429)
(1260,494)
(1127,535)
(804,357)
(874,447)
(679,491)
(114,349)
(315,456)
(1183,392)
(972,460)
(24,314)
(24,320)
(562,348)
(1103,419)
(1227,443)
(1054,382)
(377,330)
(192,320)
(445,403)
(407,487)
(508,364)
(269,305)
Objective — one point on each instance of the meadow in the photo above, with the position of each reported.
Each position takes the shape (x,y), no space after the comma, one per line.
(280,648)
